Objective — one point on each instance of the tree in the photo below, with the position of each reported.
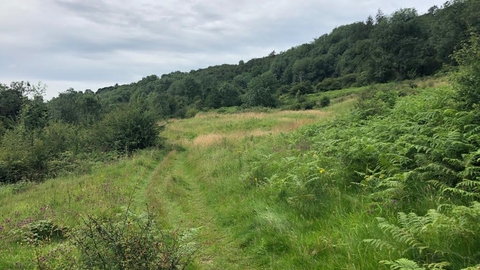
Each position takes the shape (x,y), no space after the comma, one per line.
(34,114)
(11,102)
(468,78)
(261,90)
(125,130)
(75,107)
(302,88)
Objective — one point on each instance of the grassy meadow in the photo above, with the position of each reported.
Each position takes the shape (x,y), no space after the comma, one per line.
(336,188)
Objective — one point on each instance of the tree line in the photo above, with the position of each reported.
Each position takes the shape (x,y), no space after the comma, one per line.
(68,134)
(384,48)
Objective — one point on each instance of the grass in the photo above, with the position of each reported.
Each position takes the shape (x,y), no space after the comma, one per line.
(215,181)
(65,200)
(202,186)
(212,128)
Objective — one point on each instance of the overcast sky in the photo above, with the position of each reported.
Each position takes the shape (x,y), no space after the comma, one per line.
(88,44)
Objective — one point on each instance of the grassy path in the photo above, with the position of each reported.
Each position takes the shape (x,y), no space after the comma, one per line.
(201,186)
(176,194)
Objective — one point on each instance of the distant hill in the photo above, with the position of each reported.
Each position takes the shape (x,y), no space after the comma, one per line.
(403,45)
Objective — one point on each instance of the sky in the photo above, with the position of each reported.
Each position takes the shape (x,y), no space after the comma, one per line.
(89,44)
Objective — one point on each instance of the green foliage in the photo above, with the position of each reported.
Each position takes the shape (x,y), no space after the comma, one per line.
(22,157)
(261,91)
(302,88)
(45,230)
(324,101)
(403,264)
(125,130)
(374,101)
(468,78)
(131,241)
(328,84)
(415,154)
(444,235)
(11,101)
(40,231)
(74,107)
(34,114)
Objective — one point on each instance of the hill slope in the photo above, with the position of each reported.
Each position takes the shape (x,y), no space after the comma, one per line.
(391,184)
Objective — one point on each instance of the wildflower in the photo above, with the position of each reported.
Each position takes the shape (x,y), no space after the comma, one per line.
(322,170)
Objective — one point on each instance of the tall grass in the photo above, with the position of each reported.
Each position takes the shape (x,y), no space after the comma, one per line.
(263,196)
(64,200)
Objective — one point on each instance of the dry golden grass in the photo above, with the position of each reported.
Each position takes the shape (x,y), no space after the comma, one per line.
(213,138)
(211,128)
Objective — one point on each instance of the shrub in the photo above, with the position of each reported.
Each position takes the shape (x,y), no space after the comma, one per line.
(324,101)
(468,79)
(301,88)
(22,157)
(45,230)
(441,237)
(191,112)
(39,231)
(130,241)
(328,84)
(125,130)
(374,101)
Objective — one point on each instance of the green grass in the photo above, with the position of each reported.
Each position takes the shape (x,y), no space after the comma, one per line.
(198,187)
(262,196)
(65,200)
(202,186)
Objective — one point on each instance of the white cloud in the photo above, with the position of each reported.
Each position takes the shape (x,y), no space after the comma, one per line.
(96,43)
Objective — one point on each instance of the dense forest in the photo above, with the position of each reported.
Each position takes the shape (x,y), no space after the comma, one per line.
(40,139)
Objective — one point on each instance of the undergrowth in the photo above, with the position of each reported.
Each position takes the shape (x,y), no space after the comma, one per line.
(412,162)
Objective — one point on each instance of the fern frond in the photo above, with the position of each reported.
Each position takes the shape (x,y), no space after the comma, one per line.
(438,184)
(438,266)
(476,267)
(403,264)
(403,234)
(470,184)
(461,193)
(467,188)
(380,244)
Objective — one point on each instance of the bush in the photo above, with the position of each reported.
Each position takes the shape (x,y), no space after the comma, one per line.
(125,130)
(301,88)
(131,241)
(22,157)
(39,231)
(324,101)
(191,112)
(329,84)
(468,79)
(374,101)
(45,230)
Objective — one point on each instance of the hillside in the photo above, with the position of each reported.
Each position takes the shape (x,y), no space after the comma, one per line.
(262,165)
(391,184)
(383,48)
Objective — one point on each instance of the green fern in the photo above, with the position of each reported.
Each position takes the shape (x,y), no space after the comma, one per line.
(403,264)
(447,235)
